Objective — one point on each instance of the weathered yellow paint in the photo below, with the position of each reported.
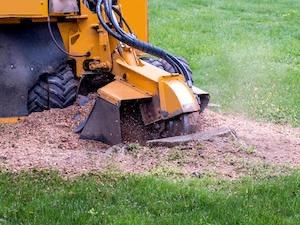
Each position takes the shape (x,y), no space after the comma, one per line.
(173,96)
(144,77)
(10,120)
(118,91)
(136,14)
(23,8)
(176,97)
(83,34)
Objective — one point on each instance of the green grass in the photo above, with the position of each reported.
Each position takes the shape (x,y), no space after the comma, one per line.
(245,53)
(41,198)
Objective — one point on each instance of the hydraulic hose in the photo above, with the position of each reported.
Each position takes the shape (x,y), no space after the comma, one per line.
(132,41)
(122,20)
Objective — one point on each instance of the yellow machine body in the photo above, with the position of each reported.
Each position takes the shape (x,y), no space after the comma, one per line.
(170,93)
(24,9)
(163,95)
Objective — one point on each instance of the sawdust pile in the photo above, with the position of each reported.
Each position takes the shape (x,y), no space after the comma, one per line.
(47,141)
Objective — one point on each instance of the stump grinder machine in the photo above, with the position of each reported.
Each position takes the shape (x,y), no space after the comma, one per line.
(53,50)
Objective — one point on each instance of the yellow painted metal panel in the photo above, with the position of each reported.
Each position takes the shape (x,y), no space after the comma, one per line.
(144,77)
(136,14)
(23,8)
(10,120)
(147,70)
(118,91)
(176,97)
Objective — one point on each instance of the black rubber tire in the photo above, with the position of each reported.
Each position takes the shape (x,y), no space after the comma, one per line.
(62,89)
(53,91)
(163,64)
(38,99)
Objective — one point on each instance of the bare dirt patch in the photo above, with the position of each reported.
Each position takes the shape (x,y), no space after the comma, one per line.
(47,141)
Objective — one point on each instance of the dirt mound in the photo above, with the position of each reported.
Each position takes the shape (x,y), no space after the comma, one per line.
(47,141)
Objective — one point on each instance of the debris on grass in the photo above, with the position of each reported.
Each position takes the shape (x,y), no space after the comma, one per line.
(46,141)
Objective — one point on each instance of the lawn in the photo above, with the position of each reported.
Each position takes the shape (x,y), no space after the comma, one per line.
(41,198)
(245,53)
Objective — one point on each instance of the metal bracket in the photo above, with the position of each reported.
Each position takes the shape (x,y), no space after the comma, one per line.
(103,123)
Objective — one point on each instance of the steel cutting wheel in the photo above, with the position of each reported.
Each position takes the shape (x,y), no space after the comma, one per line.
(177,126)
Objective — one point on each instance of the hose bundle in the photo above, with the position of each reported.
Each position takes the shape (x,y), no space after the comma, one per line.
(106,7)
